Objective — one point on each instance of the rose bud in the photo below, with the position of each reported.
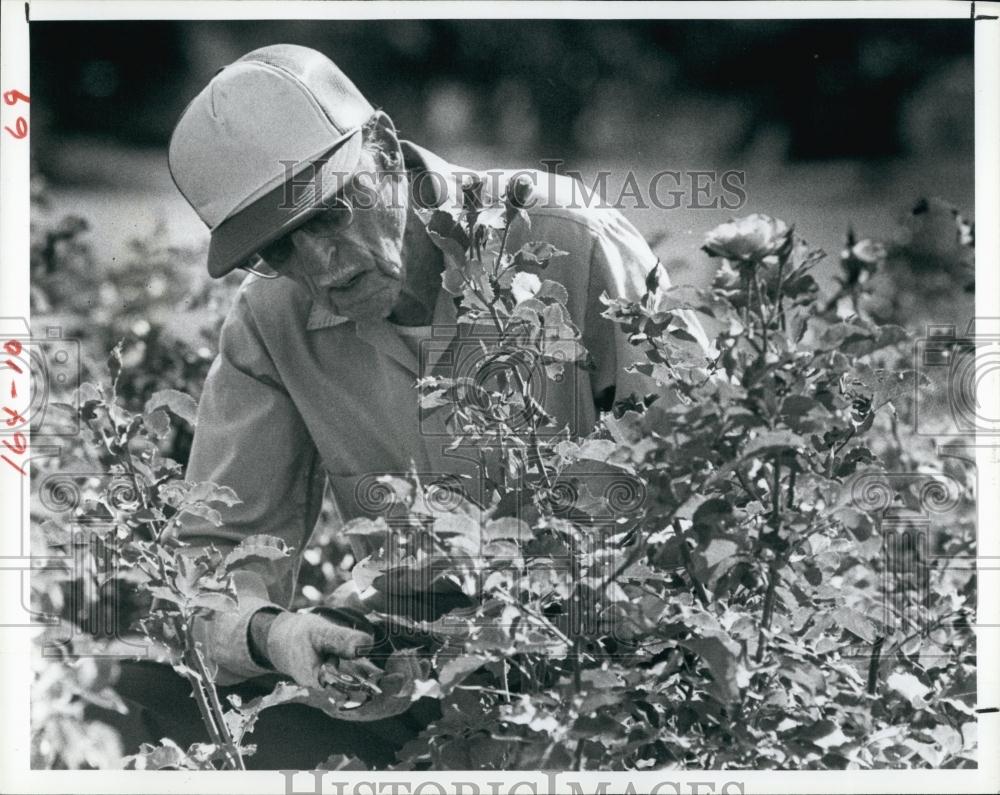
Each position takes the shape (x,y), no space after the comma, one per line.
(519,191)
(472,192)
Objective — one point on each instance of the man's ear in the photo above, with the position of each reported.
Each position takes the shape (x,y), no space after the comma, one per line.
(382,134)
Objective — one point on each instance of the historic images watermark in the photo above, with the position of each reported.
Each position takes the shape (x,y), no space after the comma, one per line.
(415,785)
(50,362)
(310,184)
(40,409)
(958,371)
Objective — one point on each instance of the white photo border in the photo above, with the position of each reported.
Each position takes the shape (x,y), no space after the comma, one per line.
(15,641)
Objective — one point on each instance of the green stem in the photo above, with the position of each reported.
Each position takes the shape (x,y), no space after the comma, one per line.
(776,496)
(529,407)
(577,671)
(500,253)
(699,589)
(747,275)
(765,319)
(193,677)
(836,451)
(208,699)
(482,299)
(768,611)
(873,665)
(773,575)
(778,297)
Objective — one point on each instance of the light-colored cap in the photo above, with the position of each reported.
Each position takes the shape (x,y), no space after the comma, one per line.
(264,146)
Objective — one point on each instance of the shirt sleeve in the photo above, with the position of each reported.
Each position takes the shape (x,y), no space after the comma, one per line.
(250,437)
(620,261)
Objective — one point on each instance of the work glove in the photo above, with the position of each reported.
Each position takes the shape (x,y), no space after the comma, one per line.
(299,645)
(362,691)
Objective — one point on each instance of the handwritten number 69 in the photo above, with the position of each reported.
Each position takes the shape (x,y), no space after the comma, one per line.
(12,97)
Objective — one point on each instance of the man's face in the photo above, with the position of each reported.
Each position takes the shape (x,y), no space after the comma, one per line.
(350,260)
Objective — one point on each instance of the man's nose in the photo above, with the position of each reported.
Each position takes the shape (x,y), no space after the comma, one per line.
(312,249)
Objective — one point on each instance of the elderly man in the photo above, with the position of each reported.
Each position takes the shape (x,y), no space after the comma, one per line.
(305,184)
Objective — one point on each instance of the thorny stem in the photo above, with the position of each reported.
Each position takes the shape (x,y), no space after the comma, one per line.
(197,690)
(207,698)
(206,711)
(232,750)
(773,574)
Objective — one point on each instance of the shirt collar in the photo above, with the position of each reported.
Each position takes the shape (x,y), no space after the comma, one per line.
(443,190)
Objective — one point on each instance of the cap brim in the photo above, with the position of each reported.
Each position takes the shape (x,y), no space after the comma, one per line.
(282,209)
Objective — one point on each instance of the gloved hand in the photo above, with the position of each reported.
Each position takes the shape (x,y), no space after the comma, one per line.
(391,690)
(298,644)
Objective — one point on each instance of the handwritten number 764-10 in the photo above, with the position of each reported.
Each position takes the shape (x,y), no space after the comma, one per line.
(18,444)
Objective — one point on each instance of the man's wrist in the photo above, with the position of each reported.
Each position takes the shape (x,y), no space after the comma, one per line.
(257,633)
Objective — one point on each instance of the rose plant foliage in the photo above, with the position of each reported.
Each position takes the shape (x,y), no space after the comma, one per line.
(737,570)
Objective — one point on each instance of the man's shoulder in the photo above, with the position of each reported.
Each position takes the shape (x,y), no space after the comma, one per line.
(559,199)
(578,220)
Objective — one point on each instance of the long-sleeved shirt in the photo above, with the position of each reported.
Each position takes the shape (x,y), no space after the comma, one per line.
(299,396)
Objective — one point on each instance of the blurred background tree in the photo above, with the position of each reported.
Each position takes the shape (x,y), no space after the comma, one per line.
(831,89)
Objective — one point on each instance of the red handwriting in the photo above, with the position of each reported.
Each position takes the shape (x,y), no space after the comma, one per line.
(18,444)
(12,97)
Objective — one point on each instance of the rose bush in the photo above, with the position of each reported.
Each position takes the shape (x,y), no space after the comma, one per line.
(745,568)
